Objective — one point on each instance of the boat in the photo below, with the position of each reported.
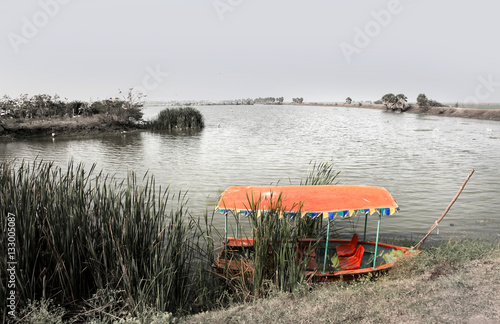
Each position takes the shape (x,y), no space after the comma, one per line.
(328,259)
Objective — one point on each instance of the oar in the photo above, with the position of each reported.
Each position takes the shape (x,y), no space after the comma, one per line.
(445,212)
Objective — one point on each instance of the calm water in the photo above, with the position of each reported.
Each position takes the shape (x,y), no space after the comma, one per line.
(421,160)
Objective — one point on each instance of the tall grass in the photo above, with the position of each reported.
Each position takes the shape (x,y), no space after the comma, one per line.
(322,173)
(276,262)
(81,234)
(105,248)
(178,118)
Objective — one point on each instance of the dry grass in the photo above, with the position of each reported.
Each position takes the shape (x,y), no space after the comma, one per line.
(448,292)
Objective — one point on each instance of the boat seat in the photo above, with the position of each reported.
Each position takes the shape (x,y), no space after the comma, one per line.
(349,248)
(352,262)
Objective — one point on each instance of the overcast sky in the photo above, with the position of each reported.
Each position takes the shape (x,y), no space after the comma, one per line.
(321,50)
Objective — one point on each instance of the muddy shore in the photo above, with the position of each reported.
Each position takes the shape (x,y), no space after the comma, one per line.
(49,127)
(489,114)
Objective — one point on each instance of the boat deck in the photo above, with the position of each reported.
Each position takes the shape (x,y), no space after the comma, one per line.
(367,261)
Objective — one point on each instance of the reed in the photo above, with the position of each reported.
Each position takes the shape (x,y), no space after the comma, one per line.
(81,233)
(322,173)
(106,249)
(178,118)
(276,263)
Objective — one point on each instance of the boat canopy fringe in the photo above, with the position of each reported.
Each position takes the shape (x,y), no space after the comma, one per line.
(327,201)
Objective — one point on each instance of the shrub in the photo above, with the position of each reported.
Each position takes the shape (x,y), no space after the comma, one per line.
(423,101)
(178,118)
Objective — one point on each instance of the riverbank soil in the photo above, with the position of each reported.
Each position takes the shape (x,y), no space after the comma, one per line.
(490,114)
(468,293)
(14,128)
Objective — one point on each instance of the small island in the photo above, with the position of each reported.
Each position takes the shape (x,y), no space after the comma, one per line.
(45,115)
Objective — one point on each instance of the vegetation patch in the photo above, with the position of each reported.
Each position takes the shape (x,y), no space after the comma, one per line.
(102,248)
(45,115)
(178,118)
(97,249)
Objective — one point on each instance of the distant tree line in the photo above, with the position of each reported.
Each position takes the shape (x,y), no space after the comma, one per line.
(423,101)
(248,101)
(129,107)
(392,101)
(399,101)
(269,100)
(298,100)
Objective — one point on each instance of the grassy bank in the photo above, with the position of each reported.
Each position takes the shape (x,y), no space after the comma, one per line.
(454,282)
(477,113)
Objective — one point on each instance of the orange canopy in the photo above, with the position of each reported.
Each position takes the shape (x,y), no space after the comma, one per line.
(326,200)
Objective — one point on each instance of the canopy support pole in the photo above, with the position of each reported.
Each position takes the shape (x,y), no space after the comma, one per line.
(326,246)
(366,221)
(237,224)
(225,239)
(376,240)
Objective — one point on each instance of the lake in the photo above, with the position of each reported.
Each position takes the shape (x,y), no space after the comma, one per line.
(422,160)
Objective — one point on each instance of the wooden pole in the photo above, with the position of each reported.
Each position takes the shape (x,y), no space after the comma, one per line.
(445,212)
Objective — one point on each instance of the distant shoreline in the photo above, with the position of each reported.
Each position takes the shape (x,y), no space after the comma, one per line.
(476,113)
(99,124)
